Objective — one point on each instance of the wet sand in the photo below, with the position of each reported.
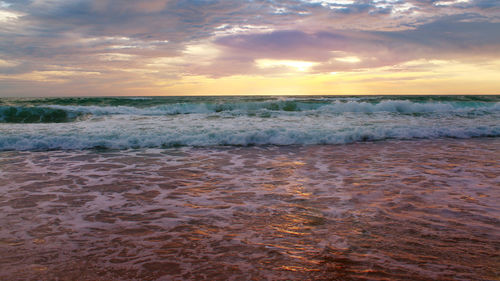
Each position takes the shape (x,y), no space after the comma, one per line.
(394,210)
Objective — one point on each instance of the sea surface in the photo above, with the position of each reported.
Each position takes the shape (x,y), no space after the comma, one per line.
(250,188)
(122,123)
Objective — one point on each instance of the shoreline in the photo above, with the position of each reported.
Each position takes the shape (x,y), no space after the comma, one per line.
(381,210)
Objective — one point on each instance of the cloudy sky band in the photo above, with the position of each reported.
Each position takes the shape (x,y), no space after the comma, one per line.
(209,47)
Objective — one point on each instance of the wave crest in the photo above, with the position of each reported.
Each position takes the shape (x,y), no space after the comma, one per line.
(272,136)
(291,107)
(13,114)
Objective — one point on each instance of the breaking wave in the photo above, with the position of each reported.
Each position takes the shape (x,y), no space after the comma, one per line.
(13,114)
(67,113)
(281,134)
(116,123)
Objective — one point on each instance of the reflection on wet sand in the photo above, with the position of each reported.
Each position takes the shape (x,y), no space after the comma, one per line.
(415,210)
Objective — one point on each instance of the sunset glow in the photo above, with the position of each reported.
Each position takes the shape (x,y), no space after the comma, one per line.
(164,47)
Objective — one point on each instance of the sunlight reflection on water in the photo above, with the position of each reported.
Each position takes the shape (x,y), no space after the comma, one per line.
(390,210)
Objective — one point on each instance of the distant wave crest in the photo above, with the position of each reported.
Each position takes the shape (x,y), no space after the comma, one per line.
(16,114)
(289,106)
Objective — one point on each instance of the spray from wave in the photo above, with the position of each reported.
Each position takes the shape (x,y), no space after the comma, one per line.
(49,113)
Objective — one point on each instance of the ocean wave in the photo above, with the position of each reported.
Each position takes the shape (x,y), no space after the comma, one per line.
(13,114)
(51,113)
(290,106)
(142,101)
(249,137)
(68,113)
(240,121)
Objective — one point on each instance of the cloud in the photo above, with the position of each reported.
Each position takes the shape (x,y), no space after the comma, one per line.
(171,39)
(449,37)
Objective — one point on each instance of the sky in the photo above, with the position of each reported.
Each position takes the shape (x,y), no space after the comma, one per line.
(258,47)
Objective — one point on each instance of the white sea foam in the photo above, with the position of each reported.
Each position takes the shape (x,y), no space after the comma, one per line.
(288,106)
(239,121)
(124,131)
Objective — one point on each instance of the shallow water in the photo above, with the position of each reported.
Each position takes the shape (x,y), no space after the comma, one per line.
(392,210)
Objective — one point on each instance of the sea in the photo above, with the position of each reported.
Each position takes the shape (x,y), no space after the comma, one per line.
(250,188)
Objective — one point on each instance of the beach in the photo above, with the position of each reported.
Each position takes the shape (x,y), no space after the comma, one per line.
(330,140)
(383,210)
